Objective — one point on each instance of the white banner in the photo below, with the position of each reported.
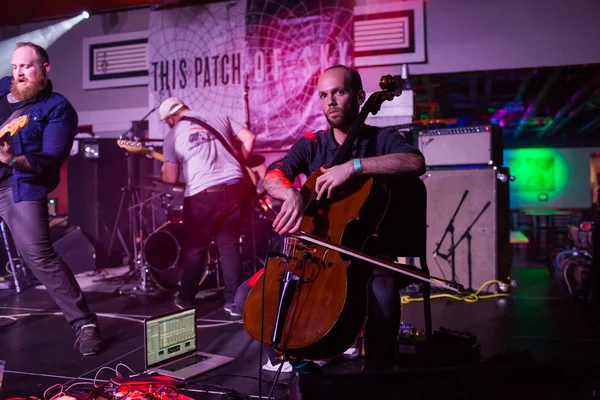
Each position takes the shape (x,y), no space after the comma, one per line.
(276,49)
(196,53)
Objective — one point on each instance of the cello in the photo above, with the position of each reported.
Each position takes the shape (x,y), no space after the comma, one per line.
(310,302)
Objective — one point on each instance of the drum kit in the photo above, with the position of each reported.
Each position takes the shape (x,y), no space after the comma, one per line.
(160,237)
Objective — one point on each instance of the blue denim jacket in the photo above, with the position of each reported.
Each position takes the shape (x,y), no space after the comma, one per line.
(45,141)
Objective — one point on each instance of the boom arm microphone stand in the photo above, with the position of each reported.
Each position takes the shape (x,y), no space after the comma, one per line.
(450,229)
(467,235)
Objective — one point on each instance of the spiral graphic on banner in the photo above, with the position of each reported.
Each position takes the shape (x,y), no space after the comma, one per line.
(203,55)
(289,43)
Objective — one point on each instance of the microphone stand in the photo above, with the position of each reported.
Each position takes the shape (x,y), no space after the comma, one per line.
(137,123)
(252,216)
(450,230)
(467,235)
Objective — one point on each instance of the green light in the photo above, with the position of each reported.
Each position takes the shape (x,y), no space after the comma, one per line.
(540,175)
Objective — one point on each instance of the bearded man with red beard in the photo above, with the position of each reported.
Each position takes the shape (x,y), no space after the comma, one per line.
(41,126)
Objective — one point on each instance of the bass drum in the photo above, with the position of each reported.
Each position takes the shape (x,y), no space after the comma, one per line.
(163,251)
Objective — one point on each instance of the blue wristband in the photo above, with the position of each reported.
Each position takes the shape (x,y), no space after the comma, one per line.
(14,160)
(357,165)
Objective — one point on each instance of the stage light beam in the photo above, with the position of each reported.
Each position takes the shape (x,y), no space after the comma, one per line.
(44,37)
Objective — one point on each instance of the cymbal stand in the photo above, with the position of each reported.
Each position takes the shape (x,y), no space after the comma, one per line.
(131,190)
(140,262)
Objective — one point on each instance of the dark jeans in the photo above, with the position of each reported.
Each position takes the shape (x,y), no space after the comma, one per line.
(28,223)
(207,215)
(383,322)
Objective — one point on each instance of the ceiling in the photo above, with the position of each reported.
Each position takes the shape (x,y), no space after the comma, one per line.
(42,10)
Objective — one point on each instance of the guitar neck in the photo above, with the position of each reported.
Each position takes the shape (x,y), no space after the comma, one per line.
(156,155)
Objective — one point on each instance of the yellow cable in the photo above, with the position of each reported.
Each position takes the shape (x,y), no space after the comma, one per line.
(467,297)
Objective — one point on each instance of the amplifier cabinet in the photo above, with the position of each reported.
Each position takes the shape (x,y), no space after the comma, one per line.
(481,225)
(476,145)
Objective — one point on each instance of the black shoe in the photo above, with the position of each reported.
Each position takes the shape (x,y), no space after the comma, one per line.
(88,340)
(232,310)
(182,304)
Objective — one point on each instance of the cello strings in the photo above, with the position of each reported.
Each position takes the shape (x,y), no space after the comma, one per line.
(295,304)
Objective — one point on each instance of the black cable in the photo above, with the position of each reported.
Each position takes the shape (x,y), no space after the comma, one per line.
(275,380)
(241,376)
(305,258)
(262,329)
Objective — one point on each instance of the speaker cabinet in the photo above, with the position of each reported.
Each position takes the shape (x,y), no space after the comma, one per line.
(95,188)
(481,225)
(76,250)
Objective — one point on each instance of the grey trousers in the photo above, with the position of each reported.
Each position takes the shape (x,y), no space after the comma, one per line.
(28,224)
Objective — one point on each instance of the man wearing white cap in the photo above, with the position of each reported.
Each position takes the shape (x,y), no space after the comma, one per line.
(201,147)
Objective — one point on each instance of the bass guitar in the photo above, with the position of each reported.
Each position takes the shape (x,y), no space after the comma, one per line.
(136,147)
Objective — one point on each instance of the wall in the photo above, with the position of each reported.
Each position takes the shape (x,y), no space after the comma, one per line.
(110,111)
(561,174)
(462,35)
(469,35)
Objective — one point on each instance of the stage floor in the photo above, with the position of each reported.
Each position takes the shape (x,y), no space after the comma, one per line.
(539,317)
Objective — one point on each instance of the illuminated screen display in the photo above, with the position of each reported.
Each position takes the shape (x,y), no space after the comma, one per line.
(170,336)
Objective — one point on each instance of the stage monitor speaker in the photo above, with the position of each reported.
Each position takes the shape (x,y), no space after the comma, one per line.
(481,226)
(76,250)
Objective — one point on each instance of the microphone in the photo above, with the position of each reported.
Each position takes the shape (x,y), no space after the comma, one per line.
(440,255)
(168,196)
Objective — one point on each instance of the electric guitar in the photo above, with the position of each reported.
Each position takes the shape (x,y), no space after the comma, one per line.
(136,147)
(14,126)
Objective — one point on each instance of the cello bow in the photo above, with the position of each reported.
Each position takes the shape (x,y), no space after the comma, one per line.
(401,268)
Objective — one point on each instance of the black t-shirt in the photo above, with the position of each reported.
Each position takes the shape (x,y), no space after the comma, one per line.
(6,110)
(402,233)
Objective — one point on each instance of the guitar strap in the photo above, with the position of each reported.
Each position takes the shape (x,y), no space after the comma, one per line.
(15,114)
(224,142)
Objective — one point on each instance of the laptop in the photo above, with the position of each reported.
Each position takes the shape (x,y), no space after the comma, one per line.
(171,342)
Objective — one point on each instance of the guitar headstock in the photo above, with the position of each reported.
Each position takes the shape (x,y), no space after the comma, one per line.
(133,146)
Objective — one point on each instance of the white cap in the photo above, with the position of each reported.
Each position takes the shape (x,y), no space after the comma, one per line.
(169,107)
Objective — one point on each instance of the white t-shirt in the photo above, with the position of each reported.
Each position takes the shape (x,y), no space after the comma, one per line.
(205,161)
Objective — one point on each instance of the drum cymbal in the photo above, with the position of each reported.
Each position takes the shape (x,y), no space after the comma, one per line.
(158,179)
(255,160)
